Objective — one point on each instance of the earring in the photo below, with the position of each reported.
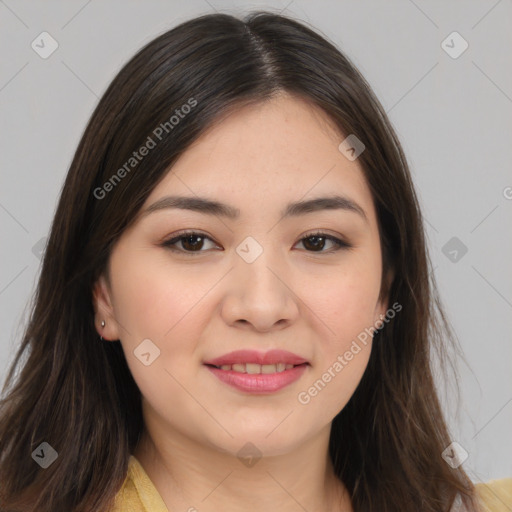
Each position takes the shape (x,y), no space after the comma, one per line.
(102,326)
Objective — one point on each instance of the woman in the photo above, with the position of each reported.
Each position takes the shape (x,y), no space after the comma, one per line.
(234,309)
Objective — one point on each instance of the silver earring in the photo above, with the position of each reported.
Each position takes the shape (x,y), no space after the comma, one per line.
(102,326)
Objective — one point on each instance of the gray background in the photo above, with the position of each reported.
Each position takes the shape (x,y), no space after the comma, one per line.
(453,116)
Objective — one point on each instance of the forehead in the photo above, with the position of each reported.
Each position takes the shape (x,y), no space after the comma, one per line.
(264,156)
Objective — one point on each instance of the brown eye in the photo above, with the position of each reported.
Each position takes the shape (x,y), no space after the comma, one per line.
(315,242)
(191,242)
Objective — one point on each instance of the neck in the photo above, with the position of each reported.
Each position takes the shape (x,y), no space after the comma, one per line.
(190,476)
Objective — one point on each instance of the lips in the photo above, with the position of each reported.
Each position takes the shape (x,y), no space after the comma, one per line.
(272,357)
(255,372)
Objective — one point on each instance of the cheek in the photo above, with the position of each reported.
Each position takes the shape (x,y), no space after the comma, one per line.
(343,301)
(344,309)
(155,298)
(157,301)
(342,353)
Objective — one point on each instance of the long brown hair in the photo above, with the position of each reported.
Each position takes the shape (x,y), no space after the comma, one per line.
(77,394)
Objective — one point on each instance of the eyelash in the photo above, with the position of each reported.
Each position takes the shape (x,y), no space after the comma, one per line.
(340,244)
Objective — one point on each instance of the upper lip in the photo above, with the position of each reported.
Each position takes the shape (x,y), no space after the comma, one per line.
(255,357)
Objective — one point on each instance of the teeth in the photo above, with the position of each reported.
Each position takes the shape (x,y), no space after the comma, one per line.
(268,368)
(254,369)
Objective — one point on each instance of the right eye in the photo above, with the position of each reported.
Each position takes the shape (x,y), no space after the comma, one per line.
(191,241)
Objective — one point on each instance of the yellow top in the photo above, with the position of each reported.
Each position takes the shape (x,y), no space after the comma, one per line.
(138,494)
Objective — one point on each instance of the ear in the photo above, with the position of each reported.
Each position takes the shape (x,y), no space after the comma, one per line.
(104,310)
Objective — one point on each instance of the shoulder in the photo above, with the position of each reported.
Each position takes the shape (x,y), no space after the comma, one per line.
(138,494)
(495,495)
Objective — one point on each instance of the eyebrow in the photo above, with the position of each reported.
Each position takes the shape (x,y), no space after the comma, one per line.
(294,209)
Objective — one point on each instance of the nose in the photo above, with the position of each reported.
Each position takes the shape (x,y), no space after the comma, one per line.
(260,294)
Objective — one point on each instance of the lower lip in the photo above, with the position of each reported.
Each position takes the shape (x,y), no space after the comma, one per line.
(259,383)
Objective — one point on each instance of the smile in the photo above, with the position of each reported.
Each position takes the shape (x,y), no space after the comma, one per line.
(254,368)
(255,372)
(258,379)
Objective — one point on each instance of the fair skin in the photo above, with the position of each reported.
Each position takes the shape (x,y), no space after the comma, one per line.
(209,301)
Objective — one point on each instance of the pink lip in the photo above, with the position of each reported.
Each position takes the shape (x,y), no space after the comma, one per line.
(263,382)
(259,383)
(252,356)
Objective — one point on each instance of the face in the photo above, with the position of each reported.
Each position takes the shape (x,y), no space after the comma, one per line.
(257,281)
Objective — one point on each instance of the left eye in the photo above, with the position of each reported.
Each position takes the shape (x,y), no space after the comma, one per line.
(192,242)
(318,239)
